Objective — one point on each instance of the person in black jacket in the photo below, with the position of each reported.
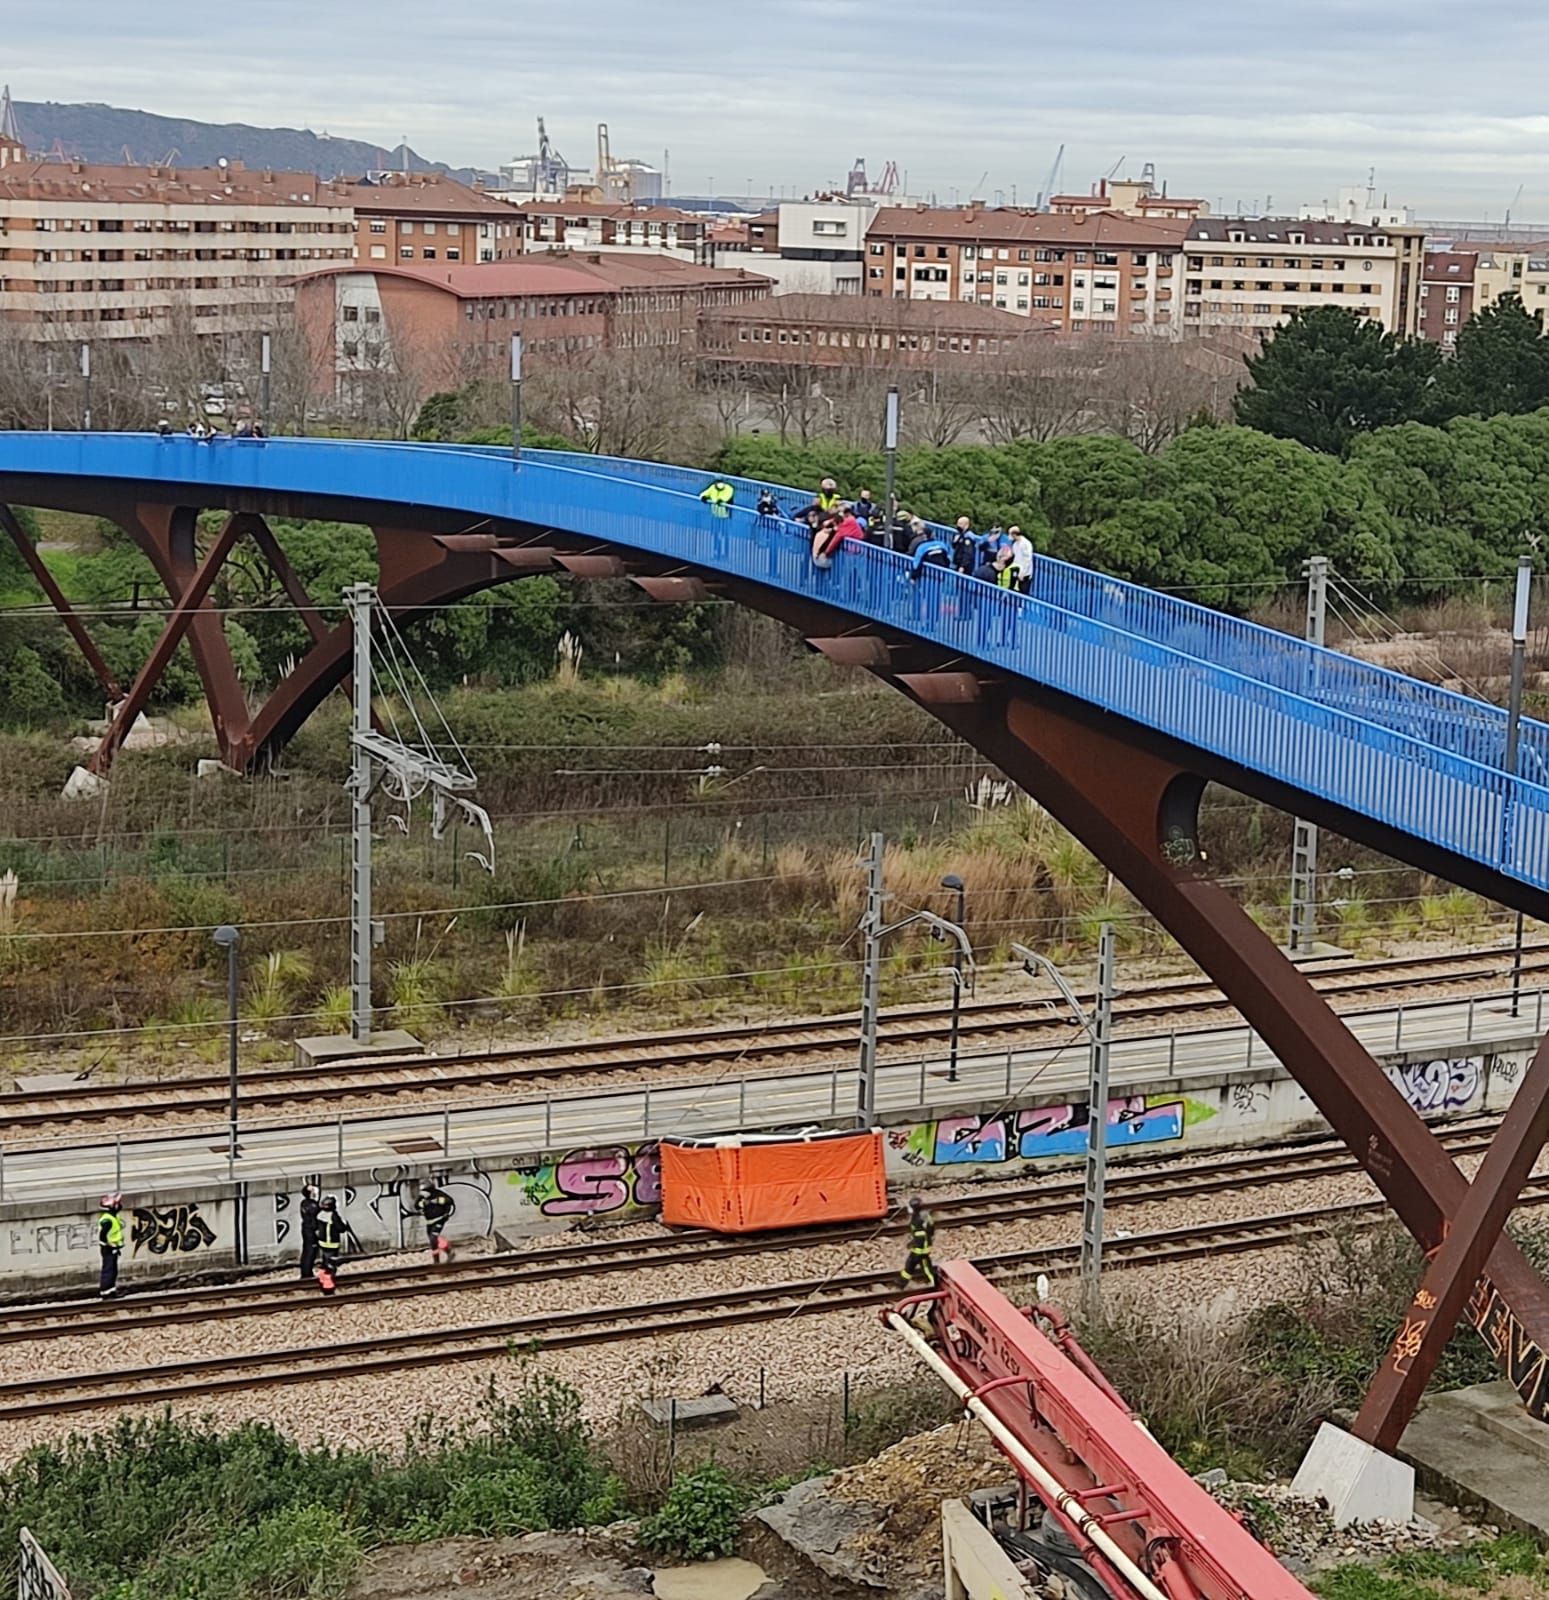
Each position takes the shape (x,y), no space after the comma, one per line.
(435,1205)
(332,1230)
(310,1206)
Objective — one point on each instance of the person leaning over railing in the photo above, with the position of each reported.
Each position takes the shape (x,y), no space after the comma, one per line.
(833,532)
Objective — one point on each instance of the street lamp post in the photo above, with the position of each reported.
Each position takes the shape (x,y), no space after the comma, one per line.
(516,398)
(264,353)
(955,883)
(1519,619)
(229,939)
(890,447)
(86,387)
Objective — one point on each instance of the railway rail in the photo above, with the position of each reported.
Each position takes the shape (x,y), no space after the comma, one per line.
(752,1048)
(1140,1184)
(205,1376)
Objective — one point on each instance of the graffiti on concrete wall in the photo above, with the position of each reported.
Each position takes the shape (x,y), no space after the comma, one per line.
(1044,1132)
(169,1230)
(26,1241)
(595,1182)
(287,1213)
(1432,1086)
(471,1194)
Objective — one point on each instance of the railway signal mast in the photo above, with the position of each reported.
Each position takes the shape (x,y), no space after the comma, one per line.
(404,764)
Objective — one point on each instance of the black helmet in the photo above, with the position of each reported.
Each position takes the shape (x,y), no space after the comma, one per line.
(329,1204)
(916,1203)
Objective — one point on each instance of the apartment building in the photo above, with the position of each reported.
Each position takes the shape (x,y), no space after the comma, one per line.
(1447,294)
(113,252)
(1134,197)
(1087,272)
(1519,269)
(855,332)
(806,246)
(405,217)
(435,325)
(586,225)
(1249,274)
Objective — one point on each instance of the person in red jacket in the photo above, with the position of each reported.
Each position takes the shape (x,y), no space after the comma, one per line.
(833,532)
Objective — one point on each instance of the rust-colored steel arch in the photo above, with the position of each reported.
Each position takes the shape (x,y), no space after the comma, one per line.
(1128,794)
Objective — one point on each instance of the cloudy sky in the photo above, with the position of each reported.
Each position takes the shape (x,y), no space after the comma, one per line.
(1235,100)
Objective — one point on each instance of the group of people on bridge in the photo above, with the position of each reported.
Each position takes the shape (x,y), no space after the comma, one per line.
(1001,556)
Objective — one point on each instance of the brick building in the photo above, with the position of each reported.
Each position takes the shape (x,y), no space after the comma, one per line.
(1088,272)
(112,252)
(438,326)
(854,332)
(424,216)
(584,225)
(1446,294)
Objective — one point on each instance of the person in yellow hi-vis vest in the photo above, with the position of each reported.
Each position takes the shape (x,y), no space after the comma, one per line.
(718,496)
(110,1241)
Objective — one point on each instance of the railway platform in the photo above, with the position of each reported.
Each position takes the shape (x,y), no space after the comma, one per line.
(524,1166)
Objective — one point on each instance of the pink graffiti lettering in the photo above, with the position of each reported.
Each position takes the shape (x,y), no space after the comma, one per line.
(590,1182)
(648,1175)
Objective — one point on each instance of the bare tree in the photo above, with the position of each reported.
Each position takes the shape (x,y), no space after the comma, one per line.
(1042,390)
(1149,389)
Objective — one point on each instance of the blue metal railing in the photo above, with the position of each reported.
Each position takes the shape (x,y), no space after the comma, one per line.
(1468,727)
(1416,758)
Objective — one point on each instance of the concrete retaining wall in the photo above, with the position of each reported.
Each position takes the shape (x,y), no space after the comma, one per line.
(223,1225)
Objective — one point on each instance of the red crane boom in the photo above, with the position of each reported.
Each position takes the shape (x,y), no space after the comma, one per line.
(1142,1524)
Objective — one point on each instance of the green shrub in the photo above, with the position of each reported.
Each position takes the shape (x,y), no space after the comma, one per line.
(699,1518)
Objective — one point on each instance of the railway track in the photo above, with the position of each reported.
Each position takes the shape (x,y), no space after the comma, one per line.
(1150,1183)
(754,1048)
(206,1376)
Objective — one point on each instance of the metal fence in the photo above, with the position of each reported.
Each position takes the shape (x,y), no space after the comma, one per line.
(1418,759)
(501,1127)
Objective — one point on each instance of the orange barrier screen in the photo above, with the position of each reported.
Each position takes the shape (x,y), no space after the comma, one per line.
(745,1188)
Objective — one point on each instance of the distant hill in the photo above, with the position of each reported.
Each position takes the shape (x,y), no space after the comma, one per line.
(103,133)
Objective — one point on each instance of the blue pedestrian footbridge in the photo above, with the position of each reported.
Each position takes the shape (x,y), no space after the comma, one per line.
(1422,763)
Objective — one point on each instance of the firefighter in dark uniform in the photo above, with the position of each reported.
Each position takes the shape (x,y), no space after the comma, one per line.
(331,1232)
(311,1204)
(435,1205)
(110,1242)
(917,1266)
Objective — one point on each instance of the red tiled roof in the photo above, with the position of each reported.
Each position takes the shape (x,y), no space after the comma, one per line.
(101,181)
(429,194)
(555,273)
(971,224)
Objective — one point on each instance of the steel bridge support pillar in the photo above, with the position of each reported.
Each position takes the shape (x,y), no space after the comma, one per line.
(1138,813)
(111,687)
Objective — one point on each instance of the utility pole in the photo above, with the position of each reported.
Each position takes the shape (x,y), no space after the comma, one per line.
(871,982)
(360,598)
(1519,617)
(86,387)
(890,446)
(1304,846)
(263,389)
(1093,1194)
(955,883)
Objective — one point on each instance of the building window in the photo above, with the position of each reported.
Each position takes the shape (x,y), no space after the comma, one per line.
(1080,257)
(406,253)
(350,313)
(429,254)
(379,227)
(453,253)
(379,252)
(406,227)
(1024,255)
(1453,291)
(1452,314)
(1140,258)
